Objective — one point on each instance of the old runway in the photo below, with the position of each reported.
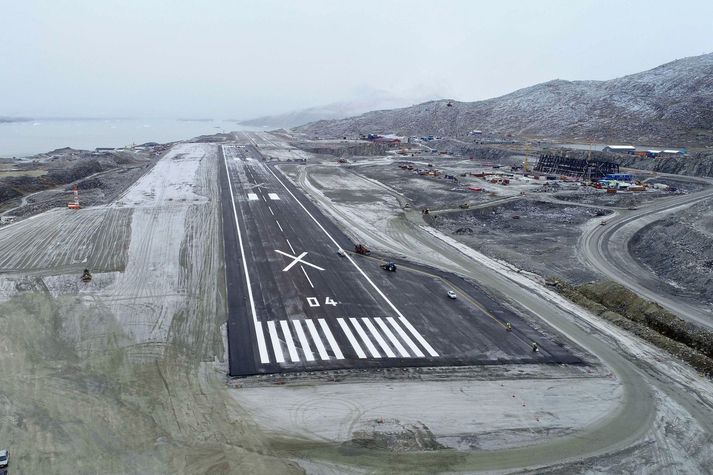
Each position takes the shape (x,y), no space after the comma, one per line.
(295,304)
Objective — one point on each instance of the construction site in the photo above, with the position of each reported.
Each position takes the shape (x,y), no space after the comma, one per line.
(276,304)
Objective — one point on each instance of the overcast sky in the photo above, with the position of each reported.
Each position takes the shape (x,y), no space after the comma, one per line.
(238,59)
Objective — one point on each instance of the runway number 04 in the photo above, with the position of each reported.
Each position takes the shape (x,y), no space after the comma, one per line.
(313,302)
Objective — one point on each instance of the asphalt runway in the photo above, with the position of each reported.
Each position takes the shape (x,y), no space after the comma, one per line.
(295,304)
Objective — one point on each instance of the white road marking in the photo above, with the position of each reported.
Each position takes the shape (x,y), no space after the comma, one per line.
(271,212)
(399,347)
(330,338)
(296,259)
(252,197)
(288,339)
(371,282)
(406,338)
(304,342)
(350,336)
(278,225)
(380,340)
(289,244)
(273,196)
(276,346)
(262,346)
(308,279)
(317,340)
(418,336)
(365,338)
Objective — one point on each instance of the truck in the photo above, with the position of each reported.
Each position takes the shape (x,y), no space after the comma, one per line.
(362,249)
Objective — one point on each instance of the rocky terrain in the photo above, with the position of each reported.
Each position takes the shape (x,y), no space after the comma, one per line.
(670,103)
(678,249)
(30,186)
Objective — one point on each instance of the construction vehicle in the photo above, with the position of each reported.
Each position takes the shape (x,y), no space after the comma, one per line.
(86,275)
(464,206)
(535,348)
(424,211)
(362,249)
(508,327)
(389,267)
(74,204)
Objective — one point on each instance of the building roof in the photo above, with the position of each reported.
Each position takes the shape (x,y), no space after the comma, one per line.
(621,147)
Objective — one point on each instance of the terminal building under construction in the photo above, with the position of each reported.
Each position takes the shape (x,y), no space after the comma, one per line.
(575,167)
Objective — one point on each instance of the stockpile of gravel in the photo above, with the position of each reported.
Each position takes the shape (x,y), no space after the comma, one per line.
(647,320)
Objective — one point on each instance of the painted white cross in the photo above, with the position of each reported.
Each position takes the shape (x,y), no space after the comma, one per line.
(296,260)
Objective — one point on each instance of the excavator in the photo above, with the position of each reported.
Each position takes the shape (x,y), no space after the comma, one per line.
(86,275)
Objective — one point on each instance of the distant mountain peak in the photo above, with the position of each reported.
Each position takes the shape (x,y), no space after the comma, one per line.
(669,104)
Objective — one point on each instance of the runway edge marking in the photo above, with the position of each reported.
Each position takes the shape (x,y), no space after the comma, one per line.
(408,325)
(262,346)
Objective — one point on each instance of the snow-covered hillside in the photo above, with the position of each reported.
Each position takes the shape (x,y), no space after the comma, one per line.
(672,103)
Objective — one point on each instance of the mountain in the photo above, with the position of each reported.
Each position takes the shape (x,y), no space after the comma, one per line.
(671,104)
(369,101)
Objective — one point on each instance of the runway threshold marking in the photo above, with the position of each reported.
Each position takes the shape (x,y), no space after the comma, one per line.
(274,337)
(317,340)
(392,337)
(252,197)
(385,348)
(262,345)
(306,349)
(405,337)
(408,325)
(273,196)
(330,338)
(288,339)
(350,336)
(370,346)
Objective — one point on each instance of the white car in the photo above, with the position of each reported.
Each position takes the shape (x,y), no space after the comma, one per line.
(4,458)
(451,294)
(341,252)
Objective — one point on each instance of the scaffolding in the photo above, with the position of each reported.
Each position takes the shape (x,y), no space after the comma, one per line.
(575,167)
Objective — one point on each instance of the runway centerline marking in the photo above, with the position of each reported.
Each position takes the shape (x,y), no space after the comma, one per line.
(271,212)
(261,343)
(306,275)
(297,259)
(281,230)
(291,248)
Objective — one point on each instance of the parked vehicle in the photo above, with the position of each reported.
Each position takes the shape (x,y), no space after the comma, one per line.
(451,295)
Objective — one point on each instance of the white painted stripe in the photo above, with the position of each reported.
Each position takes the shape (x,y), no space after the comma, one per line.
(304,342)
(252,196)
(393,307)
(262,345)
(276,346)
(416,350)
(273,196)
(418,336)
(350,336)
(380,340)
(308,279)
(330,338)
(271,212)
(394,341)
(278,225)
(288,339)
(364,338)
(317,340)
(291,249)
